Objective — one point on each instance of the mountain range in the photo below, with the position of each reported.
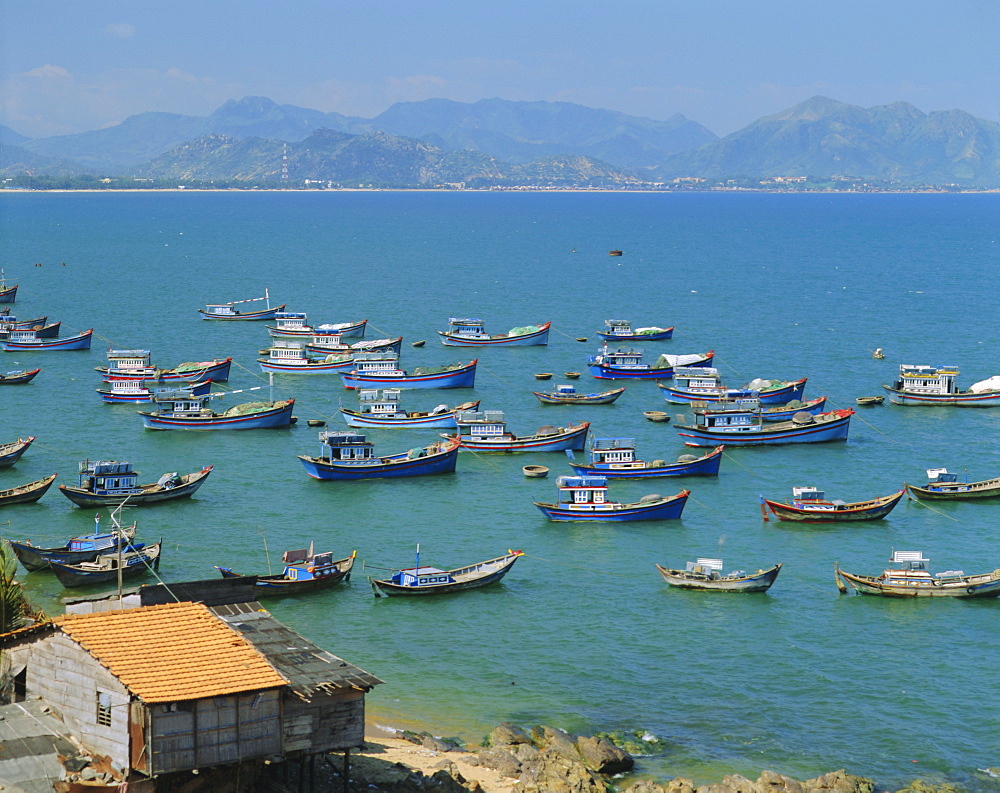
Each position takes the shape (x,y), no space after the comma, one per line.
(495,141)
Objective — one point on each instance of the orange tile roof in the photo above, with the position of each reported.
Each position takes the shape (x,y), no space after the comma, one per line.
(171,653)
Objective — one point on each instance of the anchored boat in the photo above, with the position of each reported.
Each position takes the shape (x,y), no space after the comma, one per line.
(707,574)
(422,580)
(704,384)
(381,408)
(18,376)
(349,455)
(295,324)
(621,330)
(568,395)
(11,452)
(228,311)
(928,385)
(910,578)
(135,365)
(137,391)
(471,333)
(18,340)
(26,494)
(740,423)
(179,409)
(85,548)
(305,571)
(289,357)
(108,483)
(614,458)
(486,431)
(584,498)
(379,369)
(625,363)
(944,485)
(810,505)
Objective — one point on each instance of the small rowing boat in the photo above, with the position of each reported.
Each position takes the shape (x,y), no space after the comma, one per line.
(305,571)
(422,580)
(18,376)
(11,452)
(26,494)
(568,395)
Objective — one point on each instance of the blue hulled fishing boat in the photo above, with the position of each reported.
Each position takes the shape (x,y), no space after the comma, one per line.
(295,324)
(108,483)
(568,395)
(131,562)
(614,458)
(18,376)
(11,452)
(331,343)
(740,423)
(471,333)
(228,311)
(625,363)
(305,571)
(704,384)
(380,369)
(137,391)
(85,548)
(42,330)
(135,365)
(486,431)
(179,409)
(382,409)
(422,580)
(348,455)
(621,330)
(19,340)
(286,356)
(8,294)
(584,498)
(935,386)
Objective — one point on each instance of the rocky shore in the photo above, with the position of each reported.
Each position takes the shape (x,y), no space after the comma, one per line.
(548,760)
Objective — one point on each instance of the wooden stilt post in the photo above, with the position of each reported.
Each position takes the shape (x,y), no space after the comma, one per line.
(347,770)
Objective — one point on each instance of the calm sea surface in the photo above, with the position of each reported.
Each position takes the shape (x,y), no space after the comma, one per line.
(583,634)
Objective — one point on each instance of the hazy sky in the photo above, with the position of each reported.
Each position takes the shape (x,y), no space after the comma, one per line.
(75,65)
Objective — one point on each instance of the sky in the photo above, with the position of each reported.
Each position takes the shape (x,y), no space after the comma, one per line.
(70,66)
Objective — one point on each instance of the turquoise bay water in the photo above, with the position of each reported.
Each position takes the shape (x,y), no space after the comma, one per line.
(582,634)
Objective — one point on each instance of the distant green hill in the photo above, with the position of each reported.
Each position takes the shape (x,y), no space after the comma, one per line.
(824,138)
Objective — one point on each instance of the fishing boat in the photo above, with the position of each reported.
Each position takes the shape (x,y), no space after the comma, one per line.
(868,401)
(135,365)
(26,494)
(471,333)
(42,330)
(305,571)
(486,431)
(131,562)
(228,311)
(787,412)
(179,409)
(658,416)
(8,294)
(810,505)
(381,408)
(621,330)
(584,498)
(568,395)
(929,385)
(19,340)
(331,342)
(286,356)
(348,455)
(704,384)
(380,369)
(625,363)
(944,485)
(295,324)
(138,391)
(422,580)
(107,483)
(614,458)
(910,578)
(739,423)
(18,376)
(707,574)
(85,548)
(11,452)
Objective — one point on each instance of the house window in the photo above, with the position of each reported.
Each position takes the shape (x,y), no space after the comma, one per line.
(103,709)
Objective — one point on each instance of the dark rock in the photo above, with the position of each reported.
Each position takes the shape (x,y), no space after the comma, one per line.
(500,760)
(840,782)
(773,782)
(604,757)
(526,752)
(680,785)
(436,744)
(552,772)
(507,734)
(560,742)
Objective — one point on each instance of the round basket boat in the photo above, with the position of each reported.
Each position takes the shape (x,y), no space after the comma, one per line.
(543,376)
(656,415)
(420,343)
(535,471)
(571,375)
(581,338)
(870,400)
(316,423)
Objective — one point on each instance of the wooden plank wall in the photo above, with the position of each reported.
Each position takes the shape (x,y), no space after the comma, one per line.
(330,722)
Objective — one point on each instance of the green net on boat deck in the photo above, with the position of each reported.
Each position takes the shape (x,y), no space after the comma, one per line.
(521,331)
(663,362)
(247,407)
(423,370)
(647,331)
(188,366)
(334,358)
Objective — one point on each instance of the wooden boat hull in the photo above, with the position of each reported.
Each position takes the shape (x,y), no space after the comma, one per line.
(975,586)
(78,342)
(776,396)
(355,330)
(280,416)
(834,428)
(393,465)
(758,582)
(603,398)
(875,509)
(18,379)
(606,371)
(708,465)
(134,564)
(212,370)
(464,377)
(151,494)
(665,509)
(963,399)
(409,421)
(572,438)
(492,570)
(34,558)
(666,333)
(956,491)
(26,494)
(8,295)
(198,388)
(267,313)
(10,453)
(269,586)
(534,339)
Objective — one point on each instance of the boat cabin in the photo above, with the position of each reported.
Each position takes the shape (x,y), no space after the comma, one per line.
(221,309)
(912,570)
(618,453)
(287,351)
(23,335)
(328,339)
(290,320)
(378,363)
(467,328)
(346,448)
(565,390)
(940,476)
(709,568)
(128,387)
(740,415)
(481,424)
(618,327)
(927,379)
(303,565)
(125,361)
(108,477)
(704,379)
(583,490)
(624,356)
(374,402)
(421,576)
(815,499)
(180,402)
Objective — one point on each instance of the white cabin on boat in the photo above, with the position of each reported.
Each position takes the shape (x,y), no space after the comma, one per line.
(583,490)
(927,379)
(179,403)
(710,568)
(698,378)
(378,363)
(126,361)
(467,328)
(291,320)
(618,327)
(616,452)
(374,402)
(329,340)
(740,415)
(347,448)
(287,352)
(481,424)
